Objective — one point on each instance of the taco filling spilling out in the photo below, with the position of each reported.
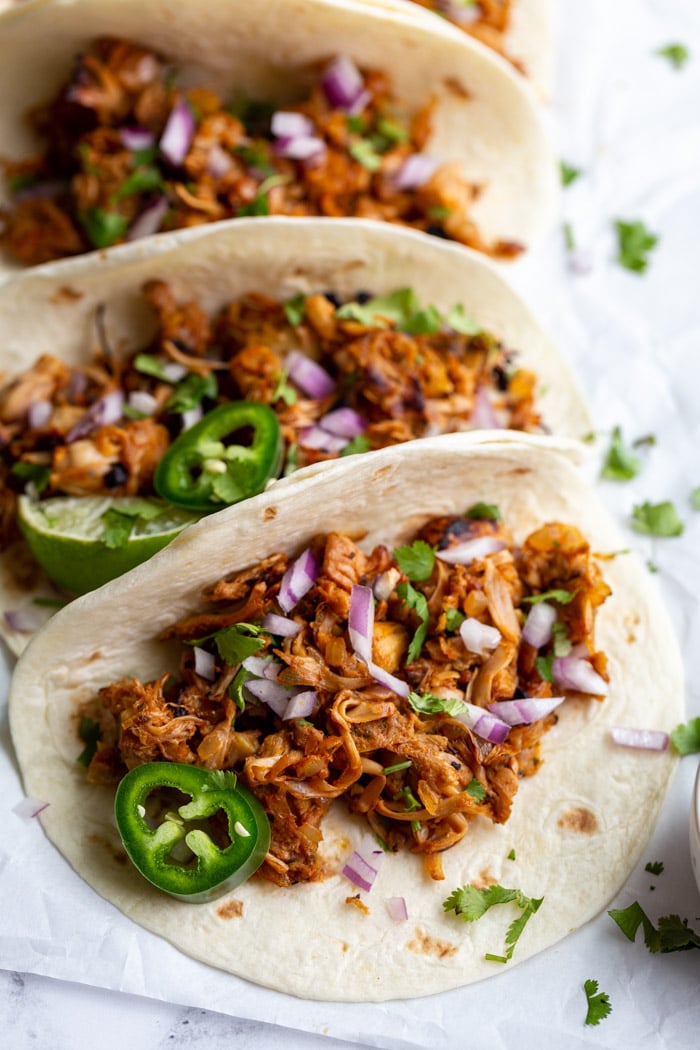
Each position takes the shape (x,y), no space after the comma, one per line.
(129,154)
(214,408)
(485,20)
(414,685)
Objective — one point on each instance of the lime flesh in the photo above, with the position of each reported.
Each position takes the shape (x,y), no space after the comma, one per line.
(65,534)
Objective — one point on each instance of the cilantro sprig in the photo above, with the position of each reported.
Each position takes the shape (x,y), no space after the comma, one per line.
(677,54)
(620,463)
(568,173)
(599,1005)
(470,903)
(635,242)
(686,737)
(404,311)
(416,560)
(236,642)
(672,934)
(657,519)
(417,601)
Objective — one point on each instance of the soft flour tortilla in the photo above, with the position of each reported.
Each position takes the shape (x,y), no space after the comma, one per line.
(485,115)
(51,309)
(529,40)
(578,827)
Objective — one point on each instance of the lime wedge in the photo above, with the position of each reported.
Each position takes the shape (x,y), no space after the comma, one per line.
(81,542)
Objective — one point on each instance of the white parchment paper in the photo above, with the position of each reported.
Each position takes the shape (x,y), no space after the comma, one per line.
(631,123)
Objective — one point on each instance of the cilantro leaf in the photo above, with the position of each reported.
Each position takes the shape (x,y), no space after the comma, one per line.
(365,153)
(102,227)
(152,366)
(568,173)
(283,391)
(38,475)
(416,560)
(90,733)
(360,443)
(142,180)
(454,618)
(236,642)
(620,464)
(677,54)
(635,241)
(599,1005)
(232,486)
(191,392)
(395,308)
(417,601)
(235,690)
(672,935)
(511,855)
(657,519)
(561,640)
(461,322)
(544,667)
(423,322)
(295,309)
(470,903)
(483,512)
(476,789)
(435,705)
(555,595)
(686,737)
(119,523)
(530,905)
(654,867)
(219,780)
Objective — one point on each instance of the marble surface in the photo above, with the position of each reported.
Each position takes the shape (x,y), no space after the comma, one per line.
(629,121)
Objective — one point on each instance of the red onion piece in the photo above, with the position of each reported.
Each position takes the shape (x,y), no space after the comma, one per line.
(310,376)
(301,148)
(135,138)
(361,621)
(644,739)
(463,553)
(416,170)
(484,414)
(537,629)
(301,705)
(525,711)
(150,219)
(389,681)
(178,133)
(287,124)
(263,667)
(23,620)
(191,416)
(345,422)
(204,664)
(142,401)
(173,371)
(385,583)
(396,906)
(273,694)
(108,409)
(39,413)
(322,440)
(484,724)
(463,14)
(29,807)
(282,626)
(298,579)
(478,637)
(342,83)
(572,672)
(219,162)
(362,866)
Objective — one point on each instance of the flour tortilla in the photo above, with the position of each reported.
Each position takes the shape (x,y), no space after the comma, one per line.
(485,117)
(578,827)
(52,308)
(529,39)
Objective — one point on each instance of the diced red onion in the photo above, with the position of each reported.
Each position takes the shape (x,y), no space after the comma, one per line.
(150,219)
(108,409)
(23,620)
(135,138)
(322,440)
(178,133)
(345,422)
(191,416)
(362,866)
(173,371)
(385,583)
(298,579)
(262,667)
(572,672)
(289,125)
(300,148)
(342,83)
(478,637)
(416,170)
(537,629)
(204,664)
(361,629)
(29,807)
(463,14)
(274,695)
(484,724)
(39,413)
(142,401)
(77,385)
(389,681)
(484,414)
(644,739)
(282,626)
(219,162)
(310,376)
(301,705)
(396,906)
(463,553)
(526,710)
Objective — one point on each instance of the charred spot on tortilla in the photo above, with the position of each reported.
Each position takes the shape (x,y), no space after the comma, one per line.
(455,87)
(230,909)
(424,944)
(114,849)
(269,513)
(66,295)
(579,819)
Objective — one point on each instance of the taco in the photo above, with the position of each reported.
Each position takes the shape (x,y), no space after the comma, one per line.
(521,31)
(340,111)
(403,798)
(404,337)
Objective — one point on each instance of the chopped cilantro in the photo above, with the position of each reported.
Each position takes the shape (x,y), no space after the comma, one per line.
(470,903)
(544,667)
(365,153)
(90,733)
(142,180)
(654,867)
(620,464)
(483,512)
(454,618)
(657,519)
(569,238)
(102,227)
(424,322)
(258,206)
(395,308)
(635,241)
(256,156)
(152,366)
(677,54)
(220,780)
(141,157)
(36,473)
(645,439)
(599,1005)
(435,705)
(360,443)
(568,173)
(119,524)
(511,855)
(561,640)
(357,125)
(284,392)
(476,789)
(295,309)
(191,392)
(686,737)
(672,934)
(417,601)
(495,958)
(652,566)
(236,642)
(392,130)
(397,767)
(416,560)
(695,498)
(235,690)
(555,595)
(461,322)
